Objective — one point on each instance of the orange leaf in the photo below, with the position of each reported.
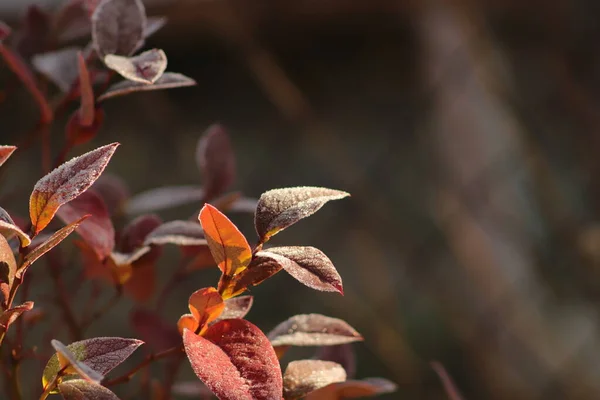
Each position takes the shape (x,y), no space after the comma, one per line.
(206,305)
(187,321)
(5,152)
(227,244)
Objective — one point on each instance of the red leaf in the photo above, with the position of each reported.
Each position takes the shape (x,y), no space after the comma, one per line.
(279,208)
(66,183)
(118,27)
(5,152)
(235,360)
(86,110)
(169,80)
(305,376)
(8,228)
(97,230)
(146,67)
(77,133)
(9,316)
(8,269)
(164,197)
(79,389)
(228,245)
(308,265)
(216,161)
(155,332)
(313,330)
(135,232)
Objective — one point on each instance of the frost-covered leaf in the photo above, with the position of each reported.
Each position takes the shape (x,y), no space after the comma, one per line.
(5,152)
(162,198)
(66,358)
(304,376)
(221,360)
(168,80)
(215,160)
(97,230)
(313,330)
(8,229)
(118,27)
(178,232)
(146,67)
(101,354)
(79,389)
(308,265)
(8,269)
(9,316)
(66,183)
(279,208)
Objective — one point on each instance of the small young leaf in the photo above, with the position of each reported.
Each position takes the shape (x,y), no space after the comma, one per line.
(146,67)
(180,233)
(9,316)
(66,183)
(206,305)
(79,389)
(308,265)
(279,208)
(86,109)
(97,230)
(155,332)
(342,354)
(236,307)
(8,229)
(169,80)
(228,245)
(216,161)
(5,152)
(8,269)
(43,248)
(101,354)
(235,360)
(313,330)
(162,198)
(305,376)
(354,389)
(118,27)
(67,358)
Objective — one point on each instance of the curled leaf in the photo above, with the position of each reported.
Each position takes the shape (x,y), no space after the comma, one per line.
(180,233)
(9,316)
(8,269)
(168,80)
(66,183)
(216,161)
(146,67)
(5,152)
(79,389)
(8,229)
(305,376)
(164,197)
(279,208)
(308,265)
(313,330)
(67,359)
(118,26)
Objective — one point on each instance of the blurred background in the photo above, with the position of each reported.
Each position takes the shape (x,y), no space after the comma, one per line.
(468,134)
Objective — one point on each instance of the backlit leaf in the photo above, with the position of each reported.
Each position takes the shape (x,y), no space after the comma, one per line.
(260,268)
(67,359)
(9,316)
(305,376)
(118,27)
(79,389)
(43,248)
(97,230)
(354,389)
(216,161)
(179,232)
(168,80)
(221,359)
(206,305)
(279,208)
(313,330)
(308,265)
(236,307)
(146,67)
(5,152)
(228,245)
(8,269)
(101,354)
(162,198)
(153,330)
(8,229)
(66,183)
(86,109)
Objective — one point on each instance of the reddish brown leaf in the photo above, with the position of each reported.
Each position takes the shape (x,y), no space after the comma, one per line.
(279,208)
(43,248)
(221,359)
(308,265)
(68,359)
(77,133)
(97,230)
(135,232)
(9,316)
(228,246)
(66,183)
(118,27)
(164,197)
(305,376)
(342,354)
(216,161)
(5,152)
(180,233)
(8,269)
(313,330)
(18,66)
(169,80)
(8,229)
(146,67)
(236,307)
(86,109)
(260,268)
(113,190)
(354,389)
(79,389)
(155,332)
